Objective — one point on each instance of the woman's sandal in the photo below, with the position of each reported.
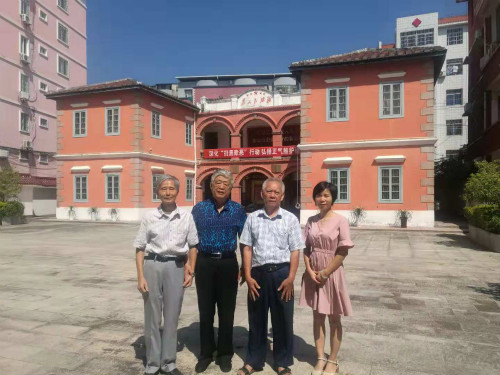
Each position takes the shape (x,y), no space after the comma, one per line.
(319,372)
(285,371)
(336,363)
(245,371)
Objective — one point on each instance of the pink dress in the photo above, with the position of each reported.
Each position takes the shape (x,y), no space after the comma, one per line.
(322,241)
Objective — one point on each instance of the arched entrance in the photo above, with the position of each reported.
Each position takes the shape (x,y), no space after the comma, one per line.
(291,132)
(257,133)
(251,186)
(292,189)
(205,187)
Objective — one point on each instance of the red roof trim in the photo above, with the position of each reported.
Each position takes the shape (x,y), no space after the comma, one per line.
(27,179)
(453,19)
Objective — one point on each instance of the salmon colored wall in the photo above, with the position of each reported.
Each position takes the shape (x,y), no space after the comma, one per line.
(96,184)
(364,122)
(364,177)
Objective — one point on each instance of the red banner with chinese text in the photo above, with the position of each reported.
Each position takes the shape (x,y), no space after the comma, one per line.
(249,152)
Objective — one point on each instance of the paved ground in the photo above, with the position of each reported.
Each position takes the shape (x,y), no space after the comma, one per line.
(425,303)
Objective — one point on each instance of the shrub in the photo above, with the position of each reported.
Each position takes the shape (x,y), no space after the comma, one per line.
(11,208)
(484,216)
(10,184)
(483,187)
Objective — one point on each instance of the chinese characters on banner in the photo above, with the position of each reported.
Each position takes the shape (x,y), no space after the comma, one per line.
(250,152)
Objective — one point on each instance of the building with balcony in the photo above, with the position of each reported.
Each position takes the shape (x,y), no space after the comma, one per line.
(114,138)
(483,107)
(451,90)
(367,126)
(43,49)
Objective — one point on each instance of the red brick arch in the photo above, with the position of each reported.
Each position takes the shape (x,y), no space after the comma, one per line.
(207,172)
(255,116)
(254,169)
(290,115)
(214,120)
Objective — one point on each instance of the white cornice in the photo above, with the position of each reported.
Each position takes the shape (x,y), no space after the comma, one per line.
(390,159)
(112,168)
(157,169)
(80,169)
(79,105)
(391,75)
(154,105)
(190,172)
(376,143)
(108,102)
(124,155)
(338,80)
(338,161)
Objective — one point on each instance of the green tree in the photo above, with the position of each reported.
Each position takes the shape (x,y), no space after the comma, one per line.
(483,187)
(10,184)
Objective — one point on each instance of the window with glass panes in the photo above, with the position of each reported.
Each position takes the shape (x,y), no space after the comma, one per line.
(189,133)
(25,83)
(80,186)
(79,123)
(62,66)
(340,178)
(156,178)
(112,187)
(62,33)
(417,38)
(155,124)
(113,121)
(454,36)
(390,184)
(337,103)
(25,123)
(24,47)
(63,4)
(454,97)
(189,189)
(454,67)
(25,7)
(391,99)
(454,127)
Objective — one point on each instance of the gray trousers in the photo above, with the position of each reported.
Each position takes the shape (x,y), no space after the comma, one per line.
(165,296)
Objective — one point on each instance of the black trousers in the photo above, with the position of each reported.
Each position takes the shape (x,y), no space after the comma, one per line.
(216,284)
(281,319)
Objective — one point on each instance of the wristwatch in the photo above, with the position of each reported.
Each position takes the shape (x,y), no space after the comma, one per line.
(323,277)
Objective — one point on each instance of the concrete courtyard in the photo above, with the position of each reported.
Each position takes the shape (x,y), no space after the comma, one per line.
(424,303)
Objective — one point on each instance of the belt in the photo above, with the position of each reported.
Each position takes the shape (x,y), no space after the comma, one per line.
(164,258)
(271,267)
(218,256)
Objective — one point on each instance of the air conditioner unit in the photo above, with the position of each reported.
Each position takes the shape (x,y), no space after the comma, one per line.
(25,58)
(26,19)
(27,145)
(24,95)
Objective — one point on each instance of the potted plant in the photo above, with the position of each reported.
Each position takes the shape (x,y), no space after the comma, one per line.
(358,214)
(403,216)
(113,212)
(94,212)
(71,213)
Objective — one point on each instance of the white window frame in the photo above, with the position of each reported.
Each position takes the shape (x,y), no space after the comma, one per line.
(329,179)
(75,177)
(106,121)
(390,200)
(40,161)
(40,84)
(107,175)
(454,124)
(461,97)
(24,45)
(26,131)
(27,2)
(189,191)
(337,89)
(43,18)
(65,42)
(40,122)
(453,62)
(415,34)
(153,114)
(44,54)
(188,133)
(59,57)
(65,9)
(401,99)
(154,196)
(454,35)
(79,112)
(21,86)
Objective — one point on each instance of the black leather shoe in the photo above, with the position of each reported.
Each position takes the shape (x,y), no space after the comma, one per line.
(225,364)
(202,365)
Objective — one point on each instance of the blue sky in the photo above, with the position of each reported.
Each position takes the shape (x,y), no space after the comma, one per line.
(156,40)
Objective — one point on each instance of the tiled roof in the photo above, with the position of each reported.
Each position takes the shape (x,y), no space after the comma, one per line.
(370,55)
(27,179)
(453,19)
(390,45)
(121,84)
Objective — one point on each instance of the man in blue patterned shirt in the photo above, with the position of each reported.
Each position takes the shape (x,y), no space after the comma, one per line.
(219,221)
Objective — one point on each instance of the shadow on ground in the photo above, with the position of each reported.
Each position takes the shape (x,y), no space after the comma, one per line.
(493,290)
(457,240)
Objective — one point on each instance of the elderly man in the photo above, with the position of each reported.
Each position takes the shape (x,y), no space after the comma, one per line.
(219,221)
(166,236)
(272,239)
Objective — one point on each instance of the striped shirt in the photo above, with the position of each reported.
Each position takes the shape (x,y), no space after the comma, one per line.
(170,234)
(272,239)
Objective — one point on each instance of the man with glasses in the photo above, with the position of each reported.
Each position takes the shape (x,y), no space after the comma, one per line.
(219,221)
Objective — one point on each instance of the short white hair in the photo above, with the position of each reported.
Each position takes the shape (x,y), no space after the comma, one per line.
(224,173)
(274,179)
(167,177)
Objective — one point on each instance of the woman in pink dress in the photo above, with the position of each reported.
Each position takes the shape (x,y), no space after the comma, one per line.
(323,284)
